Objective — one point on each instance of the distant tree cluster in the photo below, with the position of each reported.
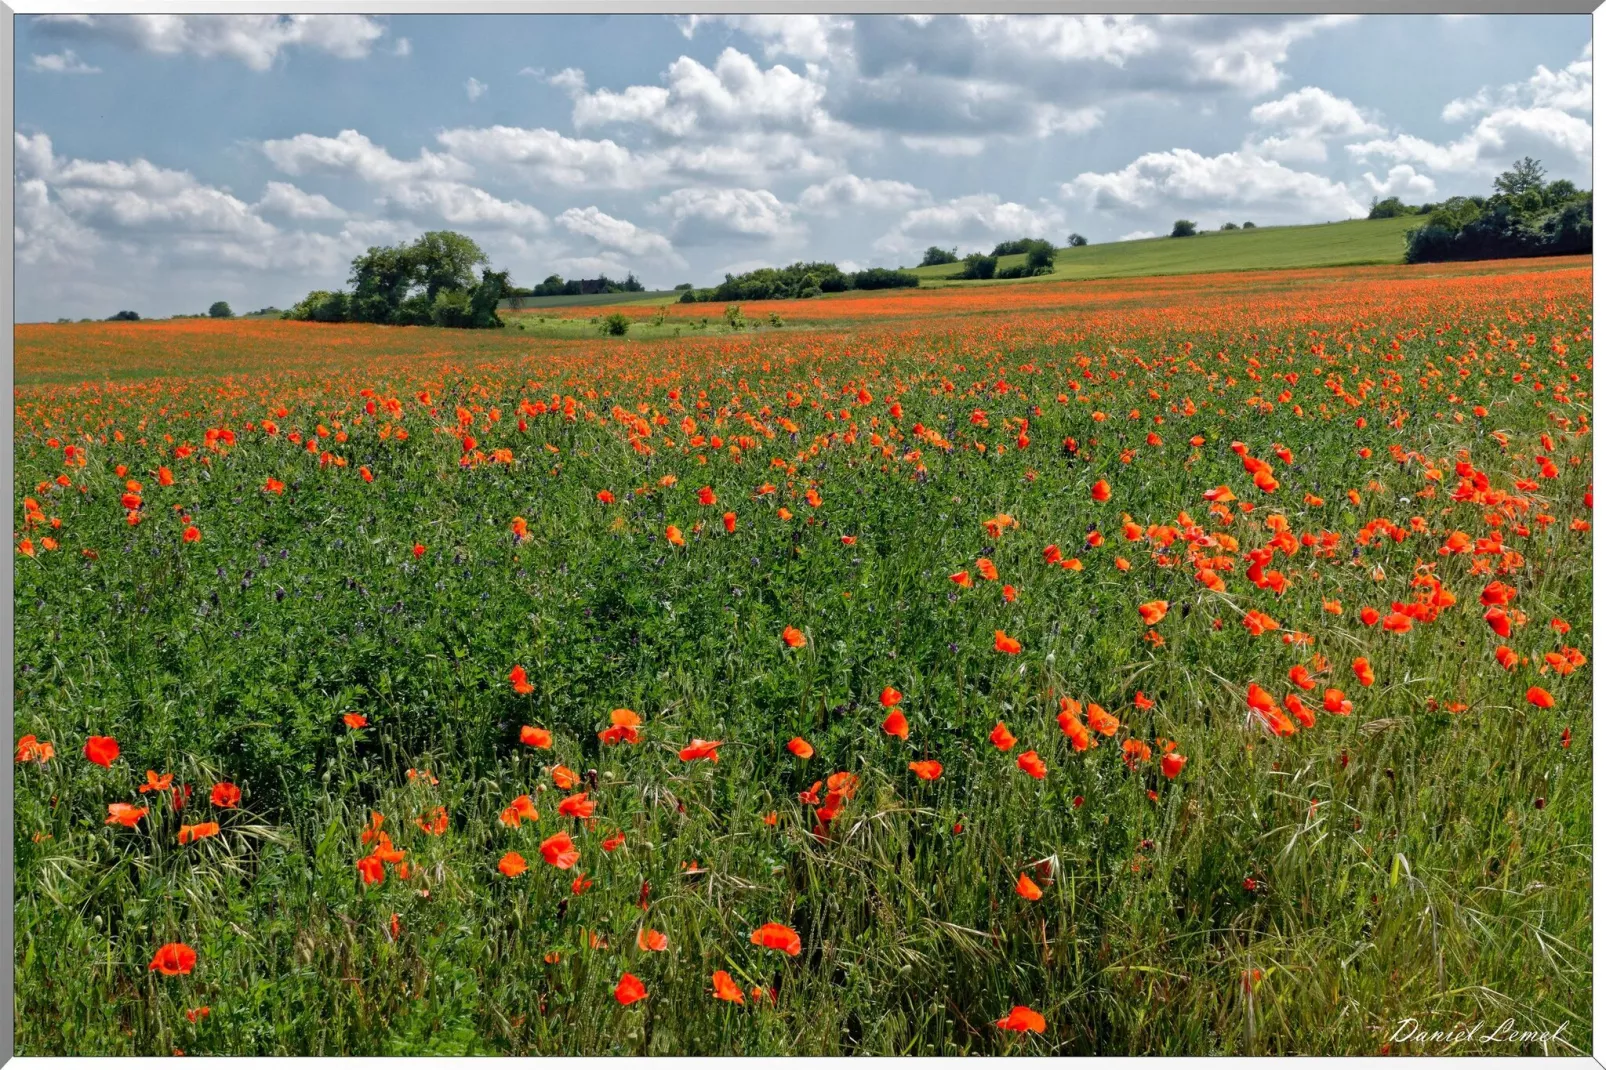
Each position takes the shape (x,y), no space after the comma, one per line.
(1040,254)
(1184,228)
(430,282)
(799,280)
(1526,216)
(558,286)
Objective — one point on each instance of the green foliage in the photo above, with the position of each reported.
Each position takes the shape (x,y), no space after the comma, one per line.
(1184,228)
(615,324)
(1390,208)
(124,315)
(1525,217)
(1229,226)
(1018,246)
(936,256)
(1076,241)
(557,286)
(978,266)
(428,282)
(1281,895)
(883,279)
(1248,225)
(220,310)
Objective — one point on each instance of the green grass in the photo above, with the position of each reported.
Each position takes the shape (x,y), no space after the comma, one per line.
(1355,242)
(1428,855)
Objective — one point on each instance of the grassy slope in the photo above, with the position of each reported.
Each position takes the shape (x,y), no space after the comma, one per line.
(1359,241)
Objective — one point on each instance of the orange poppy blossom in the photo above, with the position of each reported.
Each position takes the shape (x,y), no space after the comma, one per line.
(926,770)
(726,988)
(559,851)
(777,937)
(800,747)
(124,814)
(629,990)
(521,682)
(1001,737)
(29,748)
(102,750)
(173,960)
(512,864)
(896,724)
(520,809)
(701,749)
(531,736)
(623,727)
(1022,1020)
(1027,888)
(192,833)
(577,806)
(792,637)
(1004,644)
(1033,766)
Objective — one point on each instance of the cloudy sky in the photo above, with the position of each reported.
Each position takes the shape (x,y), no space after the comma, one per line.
(166,161)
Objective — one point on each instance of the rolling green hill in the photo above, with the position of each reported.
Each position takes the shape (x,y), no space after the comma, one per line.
(1357,241)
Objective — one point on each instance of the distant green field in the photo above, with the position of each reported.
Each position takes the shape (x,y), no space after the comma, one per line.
(1358,241)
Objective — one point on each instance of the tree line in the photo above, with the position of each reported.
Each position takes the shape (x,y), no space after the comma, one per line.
(1526,216)
(798,281)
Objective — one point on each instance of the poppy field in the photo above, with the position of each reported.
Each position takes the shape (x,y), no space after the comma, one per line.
(1179,666)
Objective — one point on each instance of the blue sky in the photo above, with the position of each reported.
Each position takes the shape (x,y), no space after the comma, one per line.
(165,162)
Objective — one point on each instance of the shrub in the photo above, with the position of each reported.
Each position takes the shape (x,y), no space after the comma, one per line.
(617,325)
(682,285)
(979,266)
(1040,257)
(1184,228)
(733,317)
(884,279)
(1389,208)
(124,315)
(220,310)
(1229,226)
(1249,226)
(936,257)
(1076,241)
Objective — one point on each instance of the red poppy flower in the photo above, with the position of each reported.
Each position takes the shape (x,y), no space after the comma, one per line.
(927,770)
(777,937)
(1027,888)
(701,748)
(225,795)
(535,737)
(800,747)
(629,990)
(577,806)
(1023,1020)
(521,682)
(124,814)
(1030,764)
(102,750)
(896,724)
(1001,737)
(726,988)
(792,637)
(174,959)
(559,851)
